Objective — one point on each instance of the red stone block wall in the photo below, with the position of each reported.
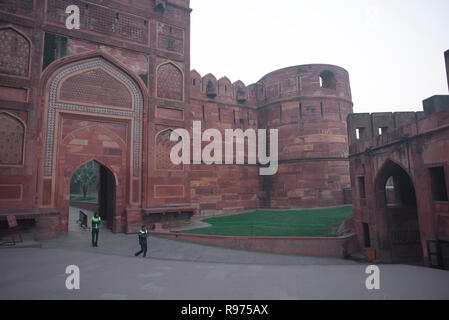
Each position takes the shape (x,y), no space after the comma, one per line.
(309,184)
(313,139)
(221,189)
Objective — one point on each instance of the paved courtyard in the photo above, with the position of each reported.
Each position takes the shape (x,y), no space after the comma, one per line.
(175,270)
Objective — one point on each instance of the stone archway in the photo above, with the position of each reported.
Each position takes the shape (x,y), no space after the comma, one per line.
(104,187)
(93,141)
(93,111)
(397,215)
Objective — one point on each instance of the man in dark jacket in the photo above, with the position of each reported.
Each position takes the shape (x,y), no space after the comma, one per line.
(143,234)
(96,220)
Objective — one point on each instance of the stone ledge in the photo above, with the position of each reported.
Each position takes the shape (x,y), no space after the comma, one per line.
(339,247)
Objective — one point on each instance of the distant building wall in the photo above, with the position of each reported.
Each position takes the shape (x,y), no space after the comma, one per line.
(399,172)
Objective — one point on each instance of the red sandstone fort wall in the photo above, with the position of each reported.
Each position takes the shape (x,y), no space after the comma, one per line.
(145,46)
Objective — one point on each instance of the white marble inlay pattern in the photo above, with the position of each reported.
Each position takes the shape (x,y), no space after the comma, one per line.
(136,114)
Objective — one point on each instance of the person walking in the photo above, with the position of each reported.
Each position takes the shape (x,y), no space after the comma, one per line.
(96,220)
(143,235)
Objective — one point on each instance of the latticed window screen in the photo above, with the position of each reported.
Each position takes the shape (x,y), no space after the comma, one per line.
(14,53)
(170,82)
(163,150)
(11,140)
(96,87)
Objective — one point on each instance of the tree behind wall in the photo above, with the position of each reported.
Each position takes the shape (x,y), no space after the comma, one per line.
(85,177)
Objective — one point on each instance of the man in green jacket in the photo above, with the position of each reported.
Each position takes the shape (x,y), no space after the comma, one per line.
(143,234)
(96,220)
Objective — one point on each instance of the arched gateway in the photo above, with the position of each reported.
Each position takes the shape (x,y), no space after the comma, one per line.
(397,214)
(93,112)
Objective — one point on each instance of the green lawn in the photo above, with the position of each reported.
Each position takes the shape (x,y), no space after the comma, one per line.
(89,198)
(291,223)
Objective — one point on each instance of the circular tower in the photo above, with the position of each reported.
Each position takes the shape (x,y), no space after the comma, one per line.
(308,104)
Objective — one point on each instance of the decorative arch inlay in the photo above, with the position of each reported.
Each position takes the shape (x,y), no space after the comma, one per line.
(54,106)
(95,87)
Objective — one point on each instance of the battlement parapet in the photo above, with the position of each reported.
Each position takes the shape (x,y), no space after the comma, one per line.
(367,131)
(223,89)
(309,81)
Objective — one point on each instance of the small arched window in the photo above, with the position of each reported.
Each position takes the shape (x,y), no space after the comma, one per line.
(327,80)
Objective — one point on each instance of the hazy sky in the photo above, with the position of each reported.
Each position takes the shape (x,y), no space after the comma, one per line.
(393,49)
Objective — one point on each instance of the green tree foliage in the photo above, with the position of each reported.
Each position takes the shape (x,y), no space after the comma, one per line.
(85,177)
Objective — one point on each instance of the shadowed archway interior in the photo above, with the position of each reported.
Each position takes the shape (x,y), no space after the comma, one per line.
(396,196)
(106,196)
(95,184)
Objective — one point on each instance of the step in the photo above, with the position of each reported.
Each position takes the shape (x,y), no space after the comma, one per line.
(21,245)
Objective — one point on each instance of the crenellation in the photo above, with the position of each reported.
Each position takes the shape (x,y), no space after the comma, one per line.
(364,126)
(225,87)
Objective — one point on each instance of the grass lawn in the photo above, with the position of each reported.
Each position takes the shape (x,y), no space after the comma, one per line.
(89,198)
(291,223)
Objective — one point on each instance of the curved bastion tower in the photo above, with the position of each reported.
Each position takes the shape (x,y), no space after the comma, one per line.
(308,104)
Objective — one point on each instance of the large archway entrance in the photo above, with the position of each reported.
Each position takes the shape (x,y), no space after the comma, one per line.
(92,189)
(397,209)
(103,124)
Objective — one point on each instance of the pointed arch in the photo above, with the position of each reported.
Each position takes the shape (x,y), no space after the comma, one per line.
(95,87)
(195,79)
(101,163)
(209,81)
(225,87)
(385,171)
(65,67)
(72,133)
(67,60)
(398,220)
(107,186)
